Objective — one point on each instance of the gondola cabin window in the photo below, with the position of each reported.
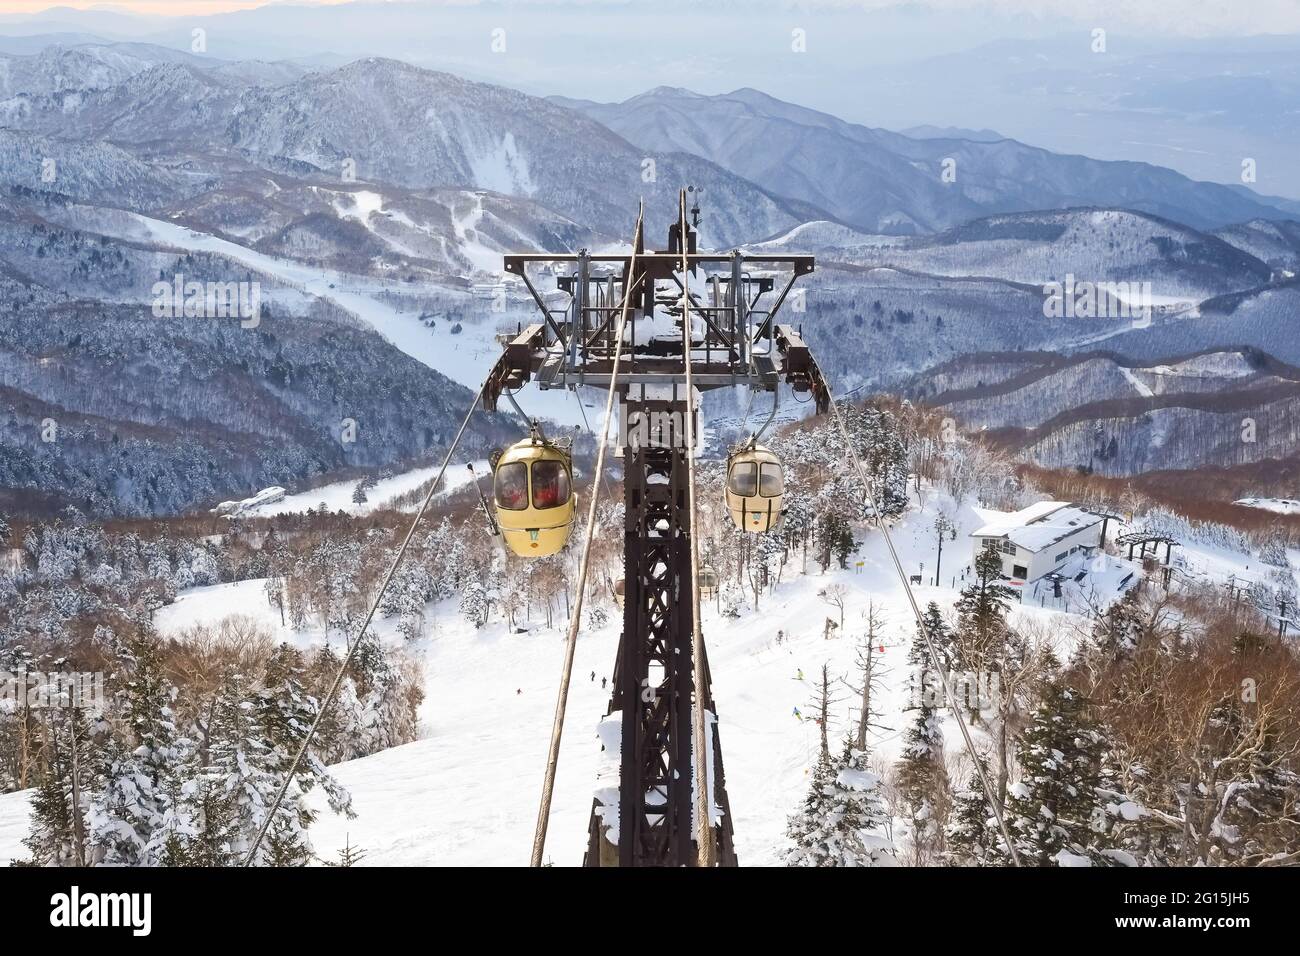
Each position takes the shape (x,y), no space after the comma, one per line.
(743,479)
(550,484)
(512,486)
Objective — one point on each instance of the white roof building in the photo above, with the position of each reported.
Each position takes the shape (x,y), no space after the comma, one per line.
(1039,539)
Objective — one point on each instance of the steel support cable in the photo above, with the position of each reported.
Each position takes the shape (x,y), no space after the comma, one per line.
(333,693)
(925,634)
(699,747)
(575,618)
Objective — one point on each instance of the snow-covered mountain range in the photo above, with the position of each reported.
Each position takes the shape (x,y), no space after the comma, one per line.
(1100,412)
(374,201)
(886,182)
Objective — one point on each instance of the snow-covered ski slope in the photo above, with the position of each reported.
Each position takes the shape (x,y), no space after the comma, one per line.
(464,357)
(337,495)
(467,793)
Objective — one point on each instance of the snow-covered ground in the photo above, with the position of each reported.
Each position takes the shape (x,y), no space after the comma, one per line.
(1282,506)
(467,792)
(337,496)
(1136,382)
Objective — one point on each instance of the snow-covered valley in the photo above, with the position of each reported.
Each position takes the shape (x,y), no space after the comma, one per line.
(466,793)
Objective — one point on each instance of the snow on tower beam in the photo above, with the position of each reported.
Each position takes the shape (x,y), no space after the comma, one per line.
(724,292)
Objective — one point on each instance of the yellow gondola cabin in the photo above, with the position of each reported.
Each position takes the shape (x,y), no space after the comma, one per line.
(532,485)
(755,488)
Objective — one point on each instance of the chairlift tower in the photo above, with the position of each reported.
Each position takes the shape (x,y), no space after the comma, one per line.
(733,341)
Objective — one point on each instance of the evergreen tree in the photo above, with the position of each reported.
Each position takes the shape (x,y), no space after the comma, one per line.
(733,601)
(1054,810)
(810,830)
(922,779)
(879,442)
(474,604)
(835,540)
(348,856)
(334,730)
(981,614)
(285,714)
(918,654)
(972,836)
(1116,632)
(842,818)
(57,835)
(237,783)
(388,700)
(49,839)
(359,493)
(211,808)
(797,521)
(255,735)
(130,818)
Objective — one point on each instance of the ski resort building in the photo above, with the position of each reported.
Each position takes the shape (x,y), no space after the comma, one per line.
(1039,539)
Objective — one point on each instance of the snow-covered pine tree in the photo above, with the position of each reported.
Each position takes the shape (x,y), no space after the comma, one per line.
(253,738)
(359,493)
(1116,633)
(797,521)
(238,781)
(878,439)
(922,779)
(285,713)
(340,729)
(1274,553)
(810,830)
(981,636)
(131,817)
(410,590)
(57,835)
(856,801)
(972,832)
(1053,810)
(389,697)
(474,606)
(843,816)
(940,636)
(733,601)
(49,837)
(210,810)
(835,541)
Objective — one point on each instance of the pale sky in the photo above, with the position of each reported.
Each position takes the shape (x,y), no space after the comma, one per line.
(176,8)
(1184,17)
